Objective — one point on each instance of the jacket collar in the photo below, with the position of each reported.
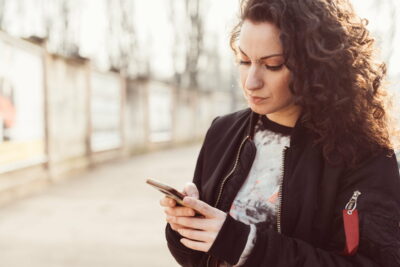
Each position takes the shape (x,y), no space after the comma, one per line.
(252,124)
(299,135)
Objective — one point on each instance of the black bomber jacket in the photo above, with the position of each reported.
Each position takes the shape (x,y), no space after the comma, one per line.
(310,228)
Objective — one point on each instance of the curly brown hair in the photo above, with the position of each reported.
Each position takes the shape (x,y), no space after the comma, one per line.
(336,81)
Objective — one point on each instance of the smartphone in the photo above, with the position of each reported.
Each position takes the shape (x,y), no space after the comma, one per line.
(167,190)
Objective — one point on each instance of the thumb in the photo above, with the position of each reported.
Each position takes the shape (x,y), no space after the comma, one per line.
(191,190)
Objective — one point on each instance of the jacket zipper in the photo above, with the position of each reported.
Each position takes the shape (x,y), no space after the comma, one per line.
(230,173)
(352,204)
(279,212)
(225,180)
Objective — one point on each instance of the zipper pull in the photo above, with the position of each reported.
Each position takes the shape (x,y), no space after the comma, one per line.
(352,204)
(351,225)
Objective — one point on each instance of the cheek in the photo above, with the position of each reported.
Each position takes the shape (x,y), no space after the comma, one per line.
(281,89)
(243,77)
(284,94)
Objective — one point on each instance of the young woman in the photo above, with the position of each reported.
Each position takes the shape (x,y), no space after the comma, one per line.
(307,175)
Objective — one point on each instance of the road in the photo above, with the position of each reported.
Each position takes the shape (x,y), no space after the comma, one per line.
(101,218)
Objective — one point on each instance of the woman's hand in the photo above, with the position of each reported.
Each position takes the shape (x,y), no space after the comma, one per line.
(199,233)
(172,210)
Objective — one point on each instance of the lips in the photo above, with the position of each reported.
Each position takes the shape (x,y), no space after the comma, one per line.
(256,99)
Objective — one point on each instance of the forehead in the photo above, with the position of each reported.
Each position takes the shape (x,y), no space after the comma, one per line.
(259,39)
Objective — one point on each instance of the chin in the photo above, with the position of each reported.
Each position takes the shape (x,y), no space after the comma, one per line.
(259,109)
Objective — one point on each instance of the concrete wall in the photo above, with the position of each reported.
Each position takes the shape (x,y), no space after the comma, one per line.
(158,114)
(106,98)
(136,130)
(22,136)
(67,117)
(90,117)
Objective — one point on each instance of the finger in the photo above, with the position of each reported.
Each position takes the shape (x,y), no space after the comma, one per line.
(191,190)
(174,226)
(200,206)
(177,227)
(195,223)
(179,211)
(197,235)
(195,245)
(167,202)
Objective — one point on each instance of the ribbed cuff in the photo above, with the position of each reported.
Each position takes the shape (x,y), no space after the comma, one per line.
(230,241)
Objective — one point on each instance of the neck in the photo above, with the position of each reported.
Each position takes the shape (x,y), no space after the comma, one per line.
(287,118)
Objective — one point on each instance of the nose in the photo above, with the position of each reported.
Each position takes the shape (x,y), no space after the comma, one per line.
(253,80)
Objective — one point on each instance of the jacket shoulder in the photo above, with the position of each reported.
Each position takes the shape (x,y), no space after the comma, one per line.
(380,179)
(382,165)
(228,129)
(237,117)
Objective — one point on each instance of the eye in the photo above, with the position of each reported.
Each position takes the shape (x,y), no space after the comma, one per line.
(246,63)
(274,68)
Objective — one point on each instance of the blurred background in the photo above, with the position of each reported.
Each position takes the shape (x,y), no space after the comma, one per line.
(98,95)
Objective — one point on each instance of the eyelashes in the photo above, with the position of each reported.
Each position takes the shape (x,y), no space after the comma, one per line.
(268,67)
(246,63)
(274,68)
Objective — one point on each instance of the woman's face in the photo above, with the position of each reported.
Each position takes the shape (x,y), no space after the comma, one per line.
(263,75)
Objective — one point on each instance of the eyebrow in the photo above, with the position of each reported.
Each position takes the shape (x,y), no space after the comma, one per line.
(262,58)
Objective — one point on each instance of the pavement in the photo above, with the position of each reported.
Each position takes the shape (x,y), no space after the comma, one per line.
(105,217)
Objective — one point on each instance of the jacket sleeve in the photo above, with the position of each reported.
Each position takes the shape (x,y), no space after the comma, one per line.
(184,256)
(379,212)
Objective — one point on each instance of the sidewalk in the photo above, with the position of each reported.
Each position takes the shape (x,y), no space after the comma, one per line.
(107,217)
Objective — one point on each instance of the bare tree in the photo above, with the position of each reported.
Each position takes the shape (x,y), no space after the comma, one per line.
(195,41)
(176,49)
(68,43)
(392,31)
(2,9)
(61,26)
(389,10)
(122,43)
